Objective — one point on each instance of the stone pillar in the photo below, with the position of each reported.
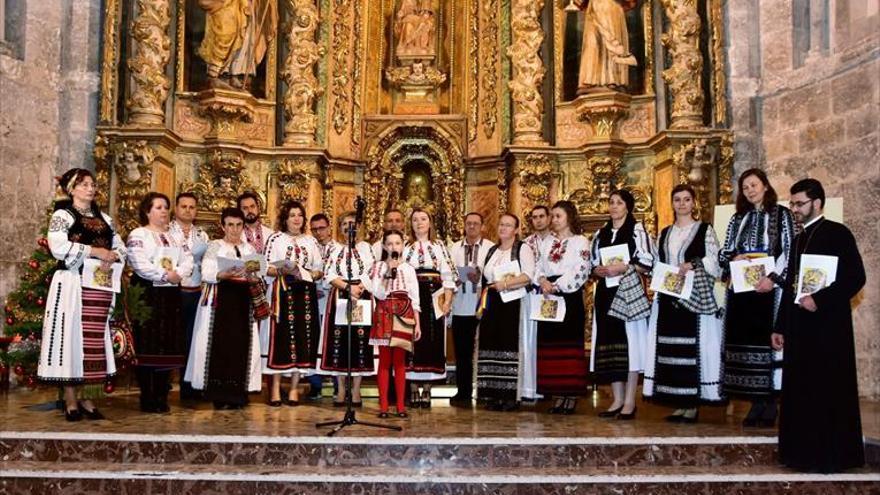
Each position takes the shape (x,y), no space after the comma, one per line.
(152,48)
(684,76)
(299,73)
(527,71)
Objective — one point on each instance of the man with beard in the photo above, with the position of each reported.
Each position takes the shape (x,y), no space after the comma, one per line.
(255,233)
(815,327)
(468,252)
(541,240)
(393,221)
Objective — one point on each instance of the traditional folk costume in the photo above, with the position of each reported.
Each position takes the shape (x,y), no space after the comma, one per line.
(75,346)
(433,266)
(394,320)
(194,241)
(683,359)
(752,369)
(562,366)
(257,235)
(290,336)
(224,360)
(499,361)
(620,314)
(334,348)
(160,341)
(327,250)
(528,336)
(464,307)
(820,426)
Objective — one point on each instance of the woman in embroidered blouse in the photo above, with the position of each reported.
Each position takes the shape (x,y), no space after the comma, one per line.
(498,355)
(76,348)
(432,263)
(347,285)
(160,342)
(292,332)
(683,361)
(760,227)
(396,323)
(618,345)
(562,365)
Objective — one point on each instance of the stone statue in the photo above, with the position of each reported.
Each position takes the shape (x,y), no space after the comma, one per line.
(237,37)
(131,165)
(414,27)
(605,55)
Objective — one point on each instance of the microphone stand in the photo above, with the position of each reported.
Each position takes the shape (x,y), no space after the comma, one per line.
(349,418)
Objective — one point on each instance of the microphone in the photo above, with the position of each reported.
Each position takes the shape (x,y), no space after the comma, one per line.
(395,255)
(359,205)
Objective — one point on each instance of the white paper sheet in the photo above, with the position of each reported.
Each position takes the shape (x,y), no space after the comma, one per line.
(610,255)
(546,307)
(745,274)
(817,271)
(507,270)
(666,280)
(93,277)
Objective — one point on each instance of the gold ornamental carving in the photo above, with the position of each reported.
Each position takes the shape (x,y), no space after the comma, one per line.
(415,77)
(102,154)
(694,163)
(488,82)
(604,179)
(527,71)
(604,111)
(221,180)
(536,173)
(725,170)
(341,69)
(327,187)
(294,176)
(149,30)
(132,167)
(299,73)
(474,56)
(503,183)
(684,76)
(719,77)
(109,72)
(356,78)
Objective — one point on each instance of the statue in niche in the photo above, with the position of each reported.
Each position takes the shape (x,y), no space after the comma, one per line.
(414,27)
(605,55)
(237,37)
(417,191)
(131,165)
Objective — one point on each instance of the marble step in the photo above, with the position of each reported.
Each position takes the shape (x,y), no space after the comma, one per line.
(426,453)
(100,477)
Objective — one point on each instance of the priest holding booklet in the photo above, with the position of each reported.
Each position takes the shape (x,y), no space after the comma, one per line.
(819,434)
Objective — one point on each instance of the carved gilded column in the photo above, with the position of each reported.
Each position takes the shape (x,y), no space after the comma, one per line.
(684,76)
(527,71)
(152,51)
(299,73)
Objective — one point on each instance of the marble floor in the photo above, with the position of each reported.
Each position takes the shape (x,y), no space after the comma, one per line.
(31,411)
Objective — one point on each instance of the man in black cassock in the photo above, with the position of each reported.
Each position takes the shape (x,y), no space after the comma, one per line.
(820,428)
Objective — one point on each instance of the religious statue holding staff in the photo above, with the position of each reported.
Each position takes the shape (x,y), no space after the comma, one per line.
(237,36)
(414,27)
(605,55)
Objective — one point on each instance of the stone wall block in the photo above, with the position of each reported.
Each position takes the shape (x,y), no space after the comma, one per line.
(854,88)
(818,134)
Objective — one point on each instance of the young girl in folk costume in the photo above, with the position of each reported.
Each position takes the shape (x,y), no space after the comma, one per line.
(291,336)
(434,268)
(396,318)
(75,348)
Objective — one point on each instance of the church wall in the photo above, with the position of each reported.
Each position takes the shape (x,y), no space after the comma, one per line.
(805,95)
(48,95)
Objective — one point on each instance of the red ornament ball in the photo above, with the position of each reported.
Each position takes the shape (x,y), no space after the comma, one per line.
(40,301)
(10,320)
(18,369)
(43,242)
(34,264)
(31,382)
(108,388)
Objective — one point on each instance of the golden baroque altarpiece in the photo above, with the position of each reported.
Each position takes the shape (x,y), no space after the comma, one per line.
(453,105)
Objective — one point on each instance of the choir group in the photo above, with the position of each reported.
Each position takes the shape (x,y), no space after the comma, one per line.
(260,301)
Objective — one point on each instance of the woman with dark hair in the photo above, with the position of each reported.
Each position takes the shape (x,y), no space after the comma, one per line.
(159,263)
(291,334)
(499,375)
(396,323)
(760,227)
(224,358)
(75,348)
(348,274)
(431,260)
(621,310)
(562,366)
(683,359)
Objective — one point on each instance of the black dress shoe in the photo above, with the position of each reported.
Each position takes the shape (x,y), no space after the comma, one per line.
(508,406)
(674,418)
(685,419)
(402,414)
(611,414)
(751,419)
(569,406)
(94,414)
(337,403)
(73,414)
(274,403)
(357,404)
(628,416)
(383,415)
